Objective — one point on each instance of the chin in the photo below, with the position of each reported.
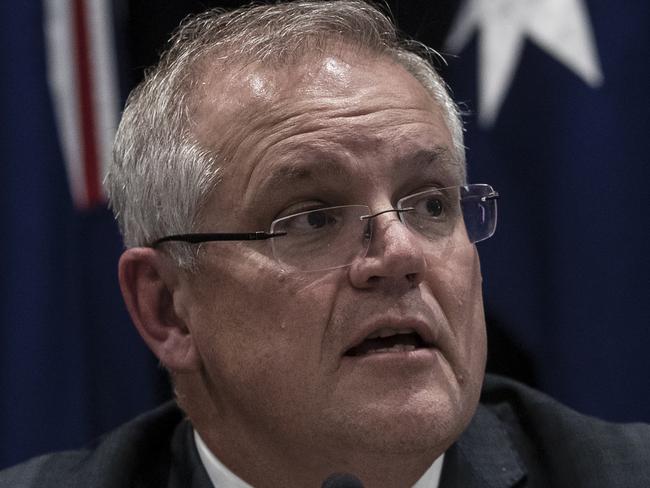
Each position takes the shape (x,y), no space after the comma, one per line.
(423,421)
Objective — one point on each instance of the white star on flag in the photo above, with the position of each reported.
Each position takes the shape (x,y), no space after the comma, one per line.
(560,27)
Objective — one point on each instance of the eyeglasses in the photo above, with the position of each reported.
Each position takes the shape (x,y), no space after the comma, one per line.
(334,237)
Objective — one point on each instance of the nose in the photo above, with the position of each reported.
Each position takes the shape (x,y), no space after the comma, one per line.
(395,257)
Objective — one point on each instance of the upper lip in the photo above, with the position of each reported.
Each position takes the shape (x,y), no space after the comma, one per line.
(398,324)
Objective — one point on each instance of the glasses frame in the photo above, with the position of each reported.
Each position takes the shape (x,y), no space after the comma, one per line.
(260,235)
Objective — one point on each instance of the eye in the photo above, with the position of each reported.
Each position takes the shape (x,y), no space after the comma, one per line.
(432,206)
(434,213)
(316,219)
(312,221)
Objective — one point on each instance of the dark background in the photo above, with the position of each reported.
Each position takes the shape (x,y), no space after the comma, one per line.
(566,276)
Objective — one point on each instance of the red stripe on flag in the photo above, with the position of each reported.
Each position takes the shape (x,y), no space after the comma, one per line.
(86,105)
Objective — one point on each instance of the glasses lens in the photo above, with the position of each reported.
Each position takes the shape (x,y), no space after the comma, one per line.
(451,217)
(322,239)
(433,214)
(479,205)
(334,237)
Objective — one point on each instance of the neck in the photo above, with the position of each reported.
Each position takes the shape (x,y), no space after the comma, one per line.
(264,455)
(291,470)
(263,464)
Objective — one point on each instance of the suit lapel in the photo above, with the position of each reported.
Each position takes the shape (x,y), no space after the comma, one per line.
(187,470)
(483,457)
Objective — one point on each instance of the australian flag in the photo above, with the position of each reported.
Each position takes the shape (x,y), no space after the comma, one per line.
(71,365)
(558,92)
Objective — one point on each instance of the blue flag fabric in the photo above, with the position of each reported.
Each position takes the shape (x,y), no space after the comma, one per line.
(71,365)
(567,273)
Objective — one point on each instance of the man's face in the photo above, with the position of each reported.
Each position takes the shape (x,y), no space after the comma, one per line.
(275,343)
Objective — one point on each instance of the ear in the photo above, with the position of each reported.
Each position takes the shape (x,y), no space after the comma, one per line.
(148,279)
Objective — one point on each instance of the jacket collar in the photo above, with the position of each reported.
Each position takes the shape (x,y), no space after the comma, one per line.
(483,457)
(187,470)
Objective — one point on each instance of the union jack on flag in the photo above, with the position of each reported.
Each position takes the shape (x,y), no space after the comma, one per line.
(83,82)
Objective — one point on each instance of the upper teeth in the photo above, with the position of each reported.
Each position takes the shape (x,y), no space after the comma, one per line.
(387,331)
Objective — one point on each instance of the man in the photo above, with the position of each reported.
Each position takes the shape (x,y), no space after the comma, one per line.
(290,184)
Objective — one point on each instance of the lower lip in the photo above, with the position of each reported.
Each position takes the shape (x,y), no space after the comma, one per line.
(424,356)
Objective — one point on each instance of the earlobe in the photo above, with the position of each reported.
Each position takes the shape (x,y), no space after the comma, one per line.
(147,280)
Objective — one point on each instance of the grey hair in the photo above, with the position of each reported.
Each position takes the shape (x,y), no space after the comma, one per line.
(161,177)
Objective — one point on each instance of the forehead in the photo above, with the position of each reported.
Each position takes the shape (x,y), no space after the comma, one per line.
(245,93)
(334,116)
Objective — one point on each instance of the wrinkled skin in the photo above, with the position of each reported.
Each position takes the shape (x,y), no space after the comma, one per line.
(272,393)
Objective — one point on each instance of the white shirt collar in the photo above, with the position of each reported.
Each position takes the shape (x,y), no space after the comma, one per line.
(222,477)
(431,477)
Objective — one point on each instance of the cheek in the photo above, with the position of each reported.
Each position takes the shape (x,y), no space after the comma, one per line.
(455,280)
(256,323)
(456,285)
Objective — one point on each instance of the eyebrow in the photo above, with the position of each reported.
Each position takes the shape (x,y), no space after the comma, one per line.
(301,170)
(293,172)
(322,163)
(440,157)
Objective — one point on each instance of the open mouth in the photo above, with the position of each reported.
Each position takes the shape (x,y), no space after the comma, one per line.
(387,340)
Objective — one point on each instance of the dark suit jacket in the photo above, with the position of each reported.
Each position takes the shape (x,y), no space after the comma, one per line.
(518,438)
